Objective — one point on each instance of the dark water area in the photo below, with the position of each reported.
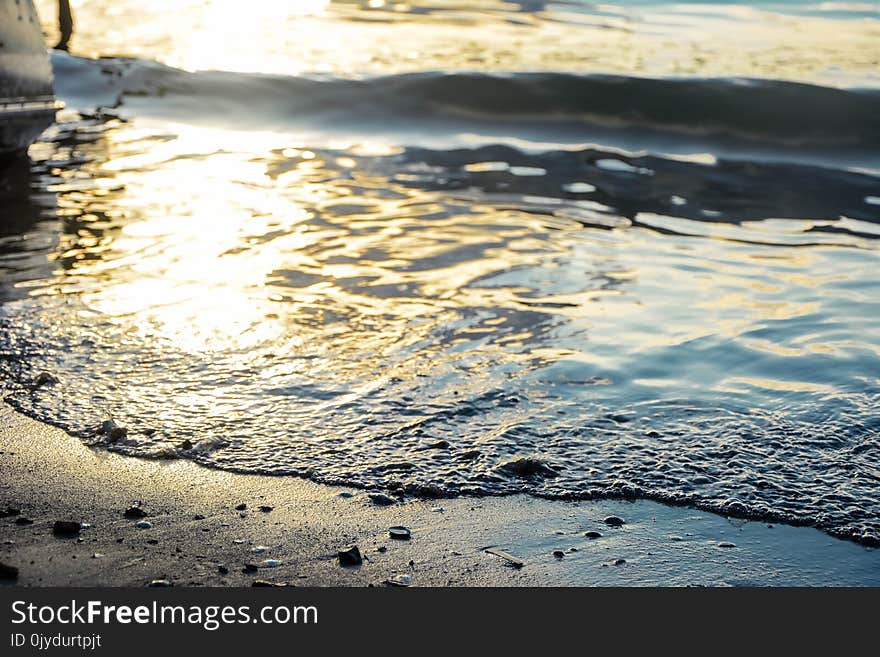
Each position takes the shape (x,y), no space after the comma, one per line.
(448,282)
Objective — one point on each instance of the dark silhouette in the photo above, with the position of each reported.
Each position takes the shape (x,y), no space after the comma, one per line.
(65,24)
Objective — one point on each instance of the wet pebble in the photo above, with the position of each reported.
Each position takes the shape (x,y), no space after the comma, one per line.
(380,499)
(270,563)
(726,544)
(259,549)
(262,583)
(592,535)
(619,562)
(240,507)
(9,511)
(135,512)
(8,572)
(266,508)
(144,524)
(160,583)
(399,580)
(250,568)
(400,533)
(23,520)
(559,554)
(66,528)
(350,557)
(614,521)
(223,570)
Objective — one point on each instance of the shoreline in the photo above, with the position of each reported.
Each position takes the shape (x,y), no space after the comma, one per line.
(197,533)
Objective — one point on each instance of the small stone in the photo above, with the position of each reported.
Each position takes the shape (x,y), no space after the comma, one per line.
(259,549)
(160,583)
(267,509)
(619,562)
(614,521)
(592,535)
(399,580)
(9,512)
(380,499)
(727,544)
(559,554)
(198,516)
(345,494)
(241,507)
(270,563)
(186,445)
(8,572)
(107,426)
(400,533)
(223,570)
(135,512)
(24,520)
(97,555)
(43,379)
(66,528)
(350,557)
(250,568)
(117,434)
(144,524)
(438,509)
(153,541)
(382,549)
(261,583)
(527,468)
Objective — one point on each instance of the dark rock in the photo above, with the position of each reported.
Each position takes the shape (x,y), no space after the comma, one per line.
(153,541)
(198,516)
(558,554)
(250,568)
(160,583)
(66,528)
(144,524)
(9,512)
(8,572)
(135,512)
(223,570)
(614,521)
(24,520)
(117,434)
(619,562)
(592,535)
(382,549)
(727,544)
(44,379)
(186,445)
(350,557)
(241,507)
(380,499)
(400,533)
(267,509)
(527,467)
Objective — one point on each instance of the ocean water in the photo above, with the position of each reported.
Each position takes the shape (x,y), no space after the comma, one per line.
(448,248)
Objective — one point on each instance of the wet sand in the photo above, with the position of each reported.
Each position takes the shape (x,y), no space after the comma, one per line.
(197,533)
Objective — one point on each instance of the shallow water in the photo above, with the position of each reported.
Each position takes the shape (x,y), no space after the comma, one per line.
(481,279)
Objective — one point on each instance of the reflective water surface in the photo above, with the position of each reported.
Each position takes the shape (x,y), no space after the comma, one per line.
(454,310)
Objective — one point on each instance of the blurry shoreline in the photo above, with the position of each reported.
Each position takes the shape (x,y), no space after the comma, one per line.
(197,534)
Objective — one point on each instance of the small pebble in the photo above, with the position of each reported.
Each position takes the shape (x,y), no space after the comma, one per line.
(592,535)
(399,580)
(559,554)
(160,583)
(270,563)
(350,557)
(8,572)
(223,570)
(727,544)
(240,507)
(619,562)
(135,512)
(250,568)
(399,533)
(259,549)
(380,499)
(614,521)
(66,528)
(266,509)
(144,524)
(24,520)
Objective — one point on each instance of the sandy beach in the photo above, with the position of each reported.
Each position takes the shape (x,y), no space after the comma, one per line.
(198,537)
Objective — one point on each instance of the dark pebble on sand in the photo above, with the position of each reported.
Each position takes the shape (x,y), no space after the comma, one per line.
(117,434)
(144,524)
(619,562)
(8,572)
(186,445)
(135,512)
(727,544)
(380,499)
(267,509)
(9,511)
(198,516)
(250,568)
(528,467)
(614,521)
(350,557)
(66,528)
(241,507)
(400,533)
(153,541)
(558,554)
(592,534)
(43,379)
(24,520)
(160,583)
(223,570)
(382,549)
